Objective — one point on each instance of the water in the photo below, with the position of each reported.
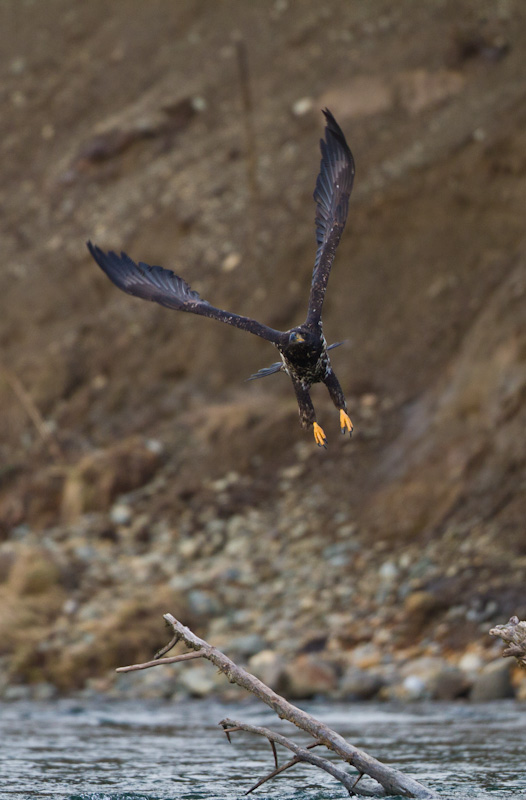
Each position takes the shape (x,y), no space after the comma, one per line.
(154,751)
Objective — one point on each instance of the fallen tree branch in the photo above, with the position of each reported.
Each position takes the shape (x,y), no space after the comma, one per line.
(514,634)
(302,754)
(391,781)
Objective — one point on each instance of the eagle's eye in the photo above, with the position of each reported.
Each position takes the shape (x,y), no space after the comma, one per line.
(296,337)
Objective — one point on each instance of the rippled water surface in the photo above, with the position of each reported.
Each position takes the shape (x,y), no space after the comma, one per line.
(147,751)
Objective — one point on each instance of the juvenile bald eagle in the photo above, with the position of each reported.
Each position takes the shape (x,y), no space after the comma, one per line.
(303,349)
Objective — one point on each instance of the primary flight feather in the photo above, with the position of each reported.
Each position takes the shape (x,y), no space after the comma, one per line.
(303,349)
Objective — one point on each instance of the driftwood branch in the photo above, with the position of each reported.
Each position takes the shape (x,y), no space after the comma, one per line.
(301,753)
(514,635)
(391,781)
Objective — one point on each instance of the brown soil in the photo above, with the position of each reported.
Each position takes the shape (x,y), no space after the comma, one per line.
(125,125)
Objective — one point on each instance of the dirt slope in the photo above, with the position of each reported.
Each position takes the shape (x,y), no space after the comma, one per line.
(126,127)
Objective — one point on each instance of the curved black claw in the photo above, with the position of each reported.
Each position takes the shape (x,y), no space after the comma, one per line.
(345,423)
(319,435)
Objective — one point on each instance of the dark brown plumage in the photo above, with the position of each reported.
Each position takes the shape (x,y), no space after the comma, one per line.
(303,349)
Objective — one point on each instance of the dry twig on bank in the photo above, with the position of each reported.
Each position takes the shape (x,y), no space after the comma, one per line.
(250,145)
(32,411)
(390,780)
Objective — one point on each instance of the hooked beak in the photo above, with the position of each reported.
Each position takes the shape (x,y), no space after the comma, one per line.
(297,337)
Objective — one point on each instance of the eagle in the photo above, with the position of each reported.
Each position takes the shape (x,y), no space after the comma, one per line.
(303,349)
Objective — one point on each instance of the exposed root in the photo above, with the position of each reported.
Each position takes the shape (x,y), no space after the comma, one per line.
(514,634)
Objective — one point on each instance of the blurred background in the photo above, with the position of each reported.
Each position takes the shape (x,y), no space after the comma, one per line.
(139,474)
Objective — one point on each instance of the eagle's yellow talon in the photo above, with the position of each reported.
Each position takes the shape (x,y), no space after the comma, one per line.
(345,422)
(319,435)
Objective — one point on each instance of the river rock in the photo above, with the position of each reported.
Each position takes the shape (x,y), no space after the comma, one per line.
(493,682)
(16,692)
(430,678)
(471,663)
(420,607)
(44,692)
(100,477)
(197,680)
(247,645)
(359,684)
(121,514)
(307,676)
(520,691)
(269,667)
(202,603)
(366,655)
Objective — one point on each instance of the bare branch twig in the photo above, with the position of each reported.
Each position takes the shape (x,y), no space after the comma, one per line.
(167,647)
(251,217)
(158,661)
(32,412)
(246,100)
(302,753)
(279,770)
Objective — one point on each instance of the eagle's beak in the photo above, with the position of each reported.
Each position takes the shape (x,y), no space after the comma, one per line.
(297,337)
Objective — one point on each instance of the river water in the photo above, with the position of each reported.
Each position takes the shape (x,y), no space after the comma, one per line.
(175,751)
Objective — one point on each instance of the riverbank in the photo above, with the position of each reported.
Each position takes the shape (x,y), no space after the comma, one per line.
(139,473)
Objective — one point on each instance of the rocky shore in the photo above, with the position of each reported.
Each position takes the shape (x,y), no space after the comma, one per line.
(139,474)
(287,588)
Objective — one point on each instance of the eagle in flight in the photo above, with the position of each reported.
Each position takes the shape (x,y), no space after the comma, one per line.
(303,349)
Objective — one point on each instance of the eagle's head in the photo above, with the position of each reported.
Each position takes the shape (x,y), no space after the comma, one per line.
(303,337)
(295,337)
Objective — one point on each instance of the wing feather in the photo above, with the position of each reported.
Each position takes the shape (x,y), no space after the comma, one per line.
(265,371)
(166,288)
(332,192)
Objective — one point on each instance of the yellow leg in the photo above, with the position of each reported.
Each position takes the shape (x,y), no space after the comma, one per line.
(345,422)
(319,435)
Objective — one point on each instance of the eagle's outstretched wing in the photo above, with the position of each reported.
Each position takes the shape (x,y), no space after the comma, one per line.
(165,287)
(332,192)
